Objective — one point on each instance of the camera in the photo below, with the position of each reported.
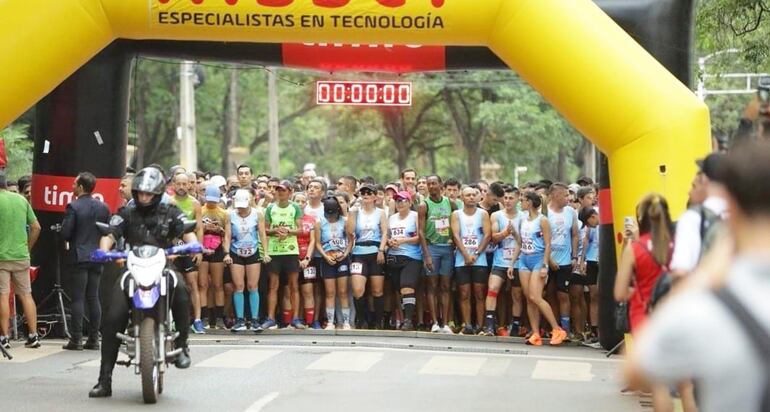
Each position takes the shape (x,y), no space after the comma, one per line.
(763,90)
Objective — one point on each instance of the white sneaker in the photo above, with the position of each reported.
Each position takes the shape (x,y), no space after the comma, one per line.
(346,326)
(447,330)
(435,328)
(329,326)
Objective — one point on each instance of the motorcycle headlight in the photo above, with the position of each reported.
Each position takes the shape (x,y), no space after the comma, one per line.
(146,272)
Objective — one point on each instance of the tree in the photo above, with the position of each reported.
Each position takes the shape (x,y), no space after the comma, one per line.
(18,148)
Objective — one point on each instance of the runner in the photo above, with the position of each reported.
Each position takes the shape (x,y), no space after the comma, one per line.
(577,286)
(404,259)
(334,244)
(315,192)
(306,242)
(246,229)
(422,186)
(452,191)
(564,248)
(211,270)
(505,235)
(434,214)
(367,224)
(188,265)
(471,232)
(283,223)
(590,267)
(533,267)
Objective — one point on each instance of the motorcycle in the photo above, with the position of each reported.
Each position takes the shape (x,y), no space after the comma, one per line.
(149,284)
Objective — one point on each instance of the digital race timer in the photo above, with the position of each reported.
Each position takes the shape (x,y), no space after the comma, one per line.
(364,93)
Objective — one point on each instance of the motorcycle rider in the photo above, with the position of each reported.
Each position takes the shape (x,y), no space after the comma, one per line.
(145,221)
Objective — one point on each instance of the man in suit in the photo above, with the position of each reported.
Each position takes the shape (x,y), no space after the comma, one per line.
(79,229)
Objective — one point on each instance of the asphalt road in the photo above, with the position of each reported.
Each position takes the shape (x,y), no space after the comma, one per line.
(332,372)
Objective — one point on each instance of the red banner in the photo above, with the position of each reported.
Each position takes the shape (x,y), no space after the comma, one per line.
(365,57)
(54,193)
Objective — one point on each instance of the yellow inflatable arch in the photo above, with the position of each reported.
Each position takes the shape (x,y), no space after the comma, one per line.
(586,66)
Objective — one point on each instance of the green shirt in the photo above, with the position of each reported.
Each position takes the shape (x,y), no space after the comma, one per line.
(437,221)
(186,205)
(15,215)
(276,216)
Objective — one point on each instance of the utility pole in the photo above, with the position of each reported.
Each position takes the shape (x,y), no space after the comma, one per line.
(272,123)
(188,149)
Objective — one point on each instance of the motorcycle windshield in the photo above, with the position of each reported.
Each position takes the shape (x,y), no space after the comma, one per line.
(146,299)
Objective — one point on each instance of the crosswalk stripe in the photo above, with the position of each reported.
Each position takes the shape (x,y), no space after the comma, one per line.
(240,359)
(346,361)
(496,368)
(453,365)
(562,371)
(24,355)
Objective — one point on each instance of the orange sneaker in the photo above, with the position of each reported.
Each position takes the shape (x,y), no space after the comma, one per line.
(558,336)
(535,340)
(502,331)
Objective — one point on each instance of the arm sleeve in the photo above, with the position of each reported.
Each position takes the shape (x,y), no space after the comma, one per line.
(31,218)
(68,224)
(686,242)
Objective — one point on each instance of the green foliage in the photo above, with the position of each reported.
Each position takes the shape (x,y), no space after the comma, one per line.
(18,147)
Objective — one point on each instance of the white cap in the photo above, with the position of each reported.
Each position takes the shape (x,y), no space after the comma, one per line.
(218,181)
(241,198)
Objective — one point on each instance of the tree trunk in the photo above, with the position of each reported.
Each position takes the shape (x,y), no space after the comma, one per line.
(560,172)
(474,163)
(231,122)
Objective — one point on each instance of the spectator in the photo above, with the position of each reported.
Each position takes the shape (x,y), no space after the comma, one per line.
(25,187)
(678,341)
(79,229)
(15,244)
(13,187)
(125,187)
(705,207)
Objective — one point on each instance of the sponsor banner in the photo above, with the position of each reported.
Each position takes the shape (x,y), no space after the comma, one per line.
(605,211)
(298,14)
(54,193)
(363,57)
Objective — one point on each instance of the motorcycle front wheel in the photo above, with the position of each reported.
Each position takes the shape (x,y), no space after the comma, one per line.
(147,364)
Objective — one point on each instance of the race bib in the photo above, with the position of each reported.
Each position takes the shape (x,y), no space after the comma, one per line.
(310,272)
(397,232)
(356,268)
(508,254)
(528,246)
(442,226)
(471,242)
(337,243)
(244,251)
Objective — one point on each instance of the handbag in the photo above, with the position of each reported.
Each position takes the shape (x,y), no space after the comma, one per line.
(211,242)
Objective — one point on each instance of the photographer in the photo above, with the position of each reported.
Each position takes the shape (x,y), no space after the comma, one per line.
(79,229)
(755,121)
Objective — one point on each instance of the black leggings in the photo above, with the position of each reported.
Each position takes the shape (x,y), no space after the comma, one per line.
(84,287)
(117,318)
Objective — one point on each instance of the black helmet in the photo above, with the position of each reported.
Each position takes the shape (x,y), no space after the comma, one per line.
(332,207)
(148,180)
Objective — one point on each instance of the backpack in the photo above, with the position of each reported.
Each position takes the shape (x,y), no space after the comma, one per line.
(758,333)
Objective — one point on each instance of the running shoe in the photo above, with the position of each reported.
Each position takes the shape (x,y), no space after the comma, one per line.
(435,328)
(447,330)
(329,326)
(575,337)
(502,331)
(535,340)
(254,324)
(269,324)
(33,342)
(4,342)
(513,329)
(467,330)
(221,324)
(239,326)
(346,326)
(487,331)
(407,326)
(197,326)
(229,323)
(316,325)
(297,324)
(558,336)
(523,331)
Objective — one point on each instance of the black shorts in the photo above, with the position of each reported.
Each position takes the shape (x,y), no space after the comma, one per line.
(283,265)
(368,265)
(339,270)
(471,274)
(562,277)
(312,271)
(185,264)
(404,271)
(217,257)
(227,276)
(592,273)
(503,273)
(245,261)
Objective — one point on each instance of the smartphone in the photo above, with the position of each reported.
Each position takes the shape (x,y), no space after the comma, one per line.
(628,221)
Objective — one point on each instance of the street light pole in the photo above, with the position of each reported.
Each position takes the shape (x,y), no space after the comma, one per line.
(272,124)
(188,149)
(516,171)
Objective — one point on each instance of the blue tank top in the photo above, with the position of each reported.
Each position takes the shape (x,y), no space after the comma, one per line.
(581,237)
(504,252)
(368,230)
(592,251)
(531,232)
(561,235)
(401,229)
(245,236)
(471,234)
(333,235)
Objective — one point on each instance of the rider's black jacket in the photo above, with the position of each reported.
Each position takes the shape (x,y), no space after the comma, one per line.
(156,226)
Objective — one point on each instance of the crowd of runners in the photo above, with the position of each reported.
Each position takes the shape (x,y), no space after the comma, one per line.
(419,253)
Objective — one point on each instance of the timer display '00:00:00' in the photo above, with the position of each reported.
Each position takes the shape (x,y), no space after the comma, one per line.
(364,93)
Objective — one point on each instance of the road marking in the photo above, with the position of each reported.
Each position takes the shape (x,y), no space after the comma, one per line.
(241,359)
(453,365)
(346,361)
(262,402)
(496,368)
(562,371)
(24,355)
